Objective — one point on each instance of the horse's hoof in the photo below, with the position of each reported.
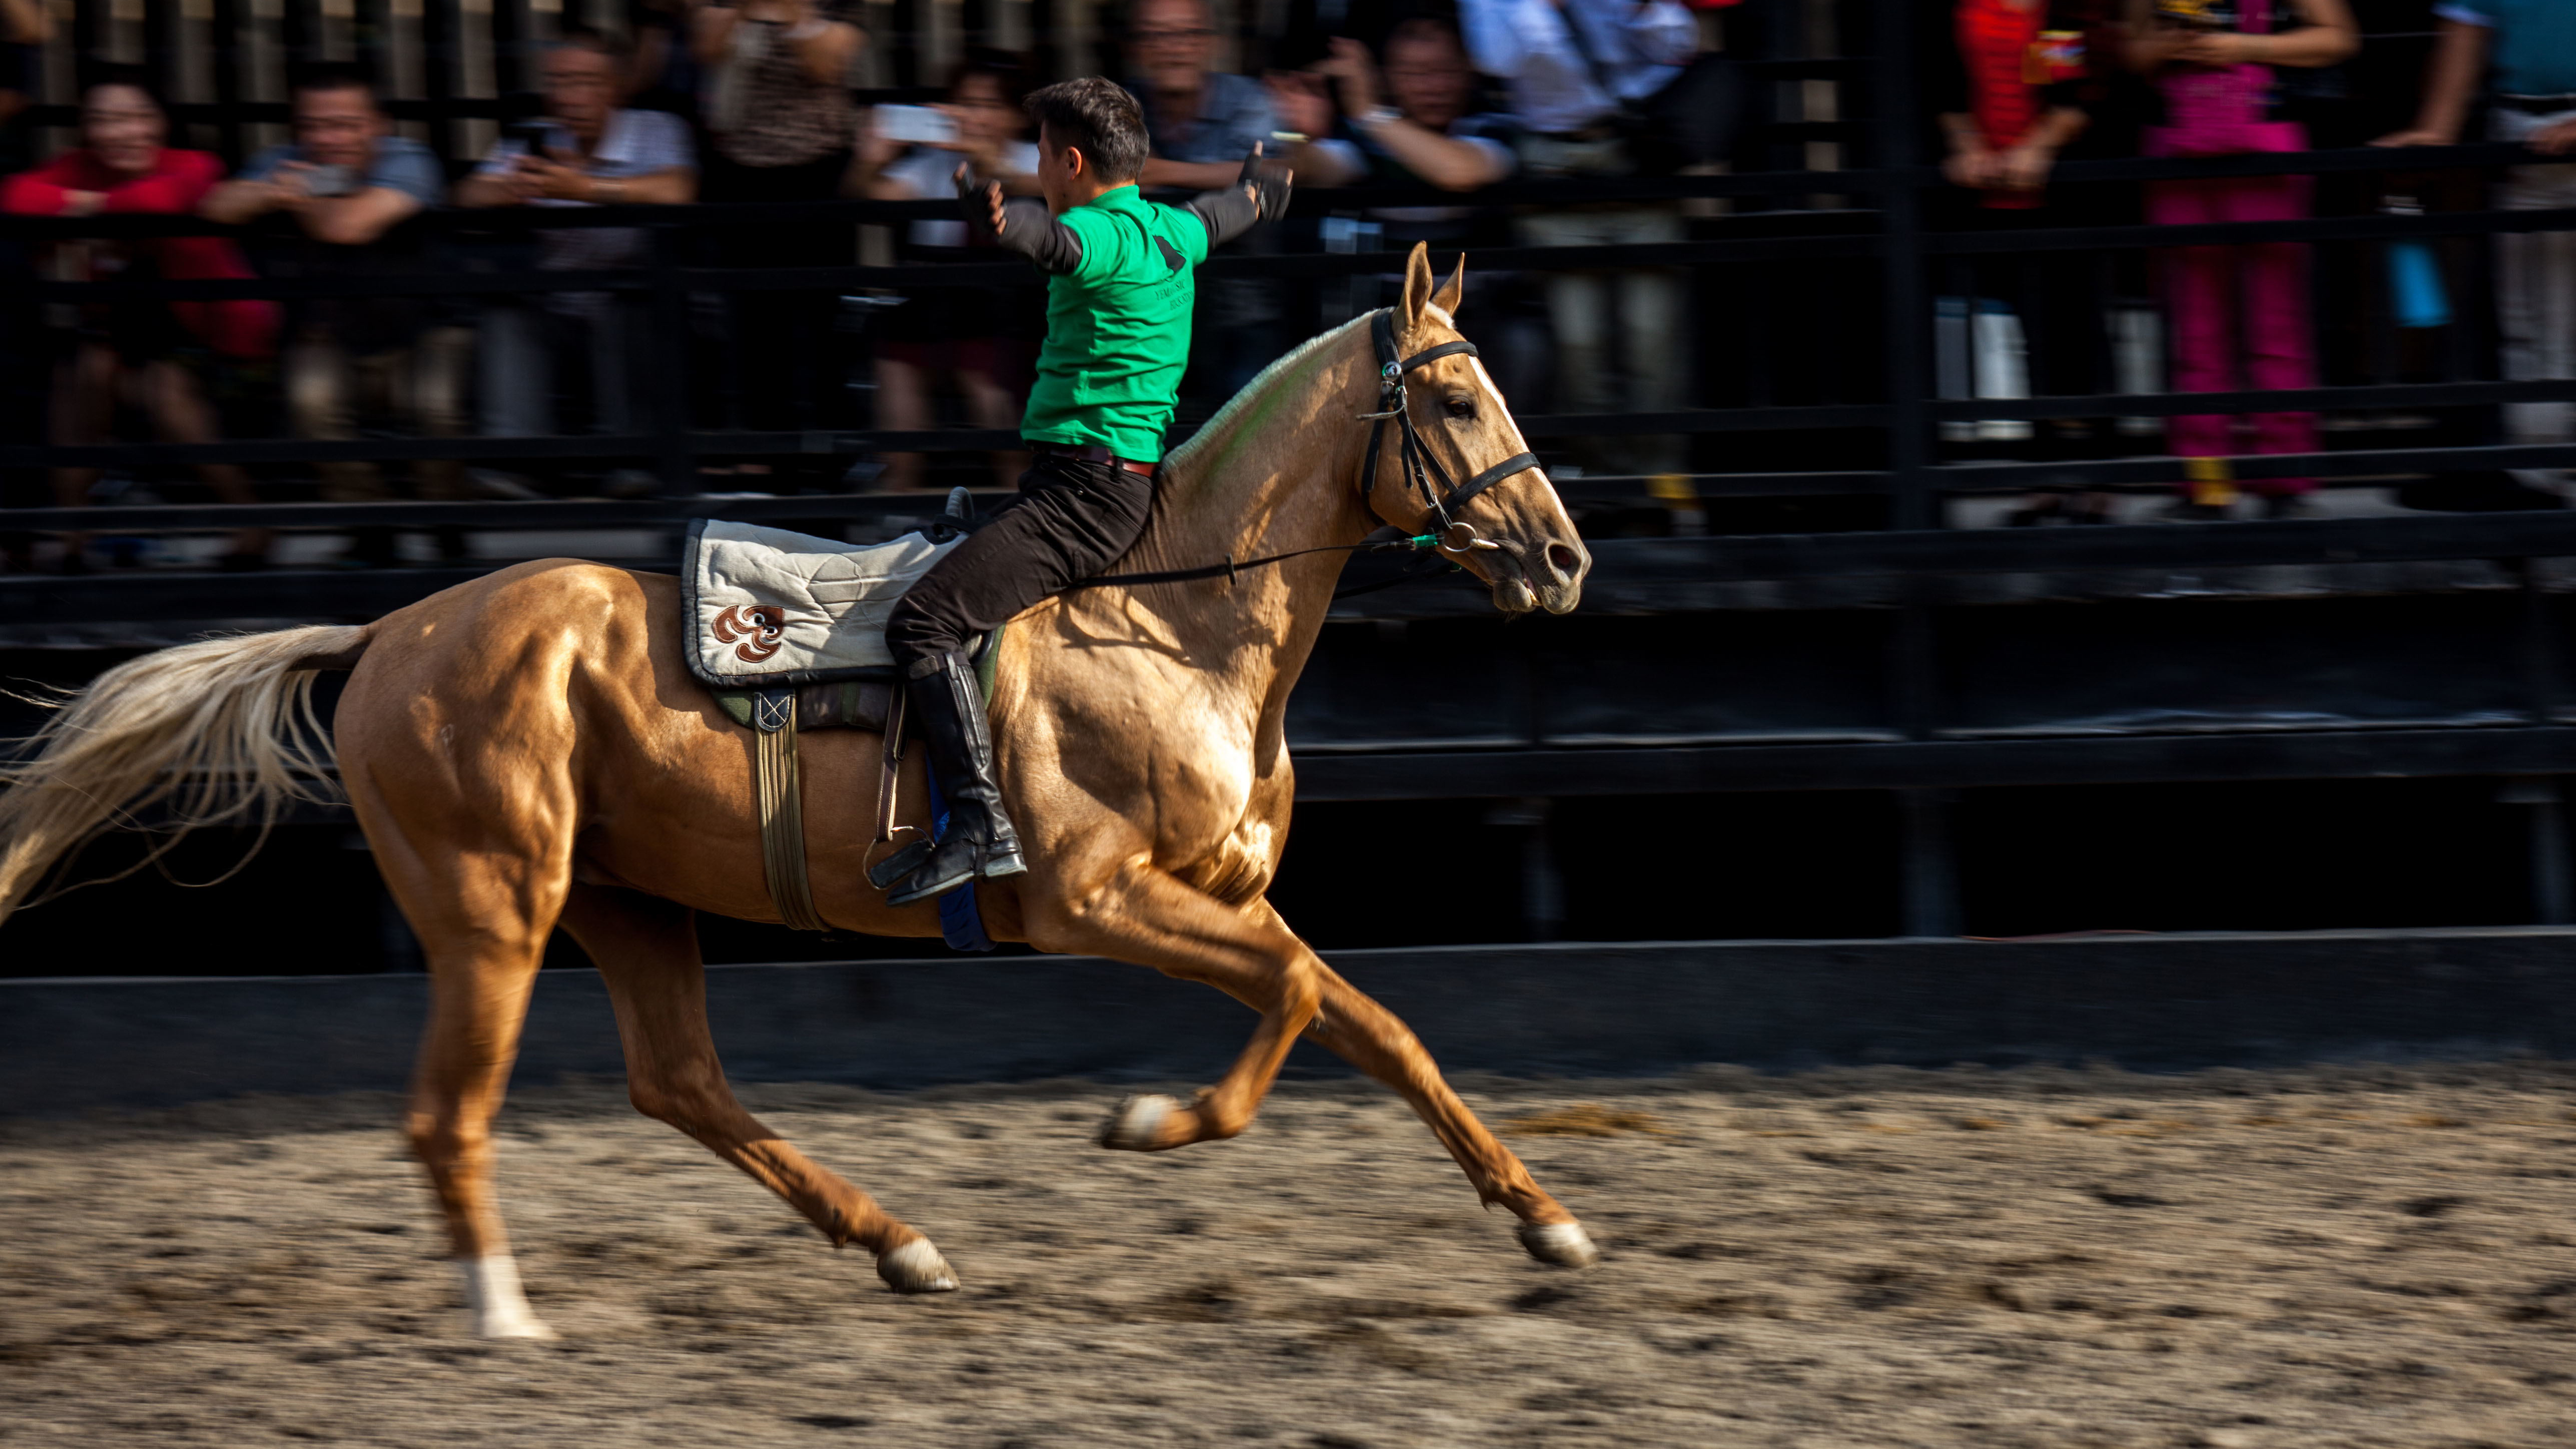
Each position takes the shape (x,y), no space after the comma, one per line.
(1566,1245)
(526,1325)
(1137,1123)
(916,1267)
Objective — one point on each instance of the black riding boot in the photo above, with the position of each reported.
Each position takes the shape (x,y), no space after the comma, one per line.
(948,713)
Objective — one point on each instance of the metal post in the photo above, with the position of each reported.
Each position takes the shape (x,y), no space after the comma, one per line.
(1931,877)
(673,458)
(2553,895)
(1542,883)
(1901,239)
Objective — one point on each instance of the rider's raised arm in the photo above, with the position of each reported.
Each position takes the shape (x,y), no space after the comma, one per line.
(1260,194)
(1026,228)
(1227,214)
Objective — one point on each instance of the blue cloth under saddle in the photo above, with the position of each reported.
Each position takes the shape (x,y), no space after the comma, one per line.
(961,924)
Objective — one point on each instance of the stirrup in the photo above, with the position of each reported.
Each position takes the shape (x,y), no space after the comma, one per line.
(902,863)
(921,888)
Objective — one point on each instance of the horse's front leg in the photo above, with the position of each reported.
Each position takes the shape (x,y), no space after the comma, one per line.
(1353,1026)
(1145,915)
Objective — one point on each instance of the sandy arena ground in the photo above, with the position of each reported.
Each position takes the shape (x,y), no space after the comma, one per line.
(2363,1256)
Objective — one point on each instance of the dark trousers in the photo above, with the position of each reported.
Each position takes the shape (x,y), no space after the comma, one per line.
(1073,519)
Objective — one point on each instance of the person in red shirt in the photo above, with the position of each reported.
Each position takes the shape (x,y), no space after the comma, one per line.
(121,166)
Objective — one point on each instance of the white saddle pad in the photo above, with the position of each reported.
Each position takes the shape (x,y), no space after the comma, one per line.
(769,607)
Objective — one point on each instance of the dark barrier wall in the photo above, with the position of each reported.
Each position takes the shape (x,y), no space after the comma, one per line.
(2152,1002)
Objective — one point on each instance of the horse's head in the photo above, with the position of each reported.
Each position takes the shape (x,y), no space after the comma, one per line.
(1515,534)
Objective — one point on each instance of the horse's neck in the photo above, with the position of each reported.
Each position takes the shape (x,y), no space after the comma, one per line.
(1274,477)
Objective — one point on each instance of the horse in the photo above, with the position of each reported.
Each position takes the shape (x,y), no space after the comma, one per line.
(528,750)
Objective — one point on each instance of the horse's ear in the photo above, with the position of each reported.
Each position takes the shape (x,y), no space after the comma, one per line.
(1446,299)
(1417,284)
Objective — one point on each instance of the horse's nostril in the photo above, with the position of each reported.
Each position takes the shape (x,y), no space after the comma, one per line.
(1561,559)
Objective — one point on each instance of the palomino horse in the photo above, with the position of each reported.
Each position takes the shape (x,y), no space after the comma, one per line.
(528,750)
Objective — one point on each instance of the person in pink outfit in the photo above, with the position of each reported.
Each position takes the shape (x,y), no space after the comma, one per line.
(2239,314)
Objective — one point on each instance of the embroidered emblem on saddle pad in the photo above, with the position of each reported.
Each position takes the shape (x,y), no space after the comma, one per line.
(767,607)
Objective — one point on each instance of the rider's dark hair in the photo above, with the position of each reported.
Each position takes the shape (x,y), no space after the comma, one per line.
(1097,117)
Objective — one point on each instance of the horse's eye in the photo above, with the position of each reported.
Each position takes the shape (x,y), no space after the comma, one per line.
(1461,406)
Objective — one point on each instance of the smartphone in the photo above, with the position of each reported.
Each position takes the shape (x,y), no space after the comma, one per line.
(919,125)
(530,134)
(330,181)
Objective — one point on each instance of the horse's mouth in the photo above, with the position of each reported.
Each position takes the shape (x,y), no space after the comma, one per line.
(1552,581)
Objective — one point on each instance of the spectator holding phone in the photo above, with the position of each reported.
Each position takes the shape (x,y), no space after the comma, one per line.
(345,185)
(1416,130)
(982,337)
(2529,48)
(135,341)
(589,151)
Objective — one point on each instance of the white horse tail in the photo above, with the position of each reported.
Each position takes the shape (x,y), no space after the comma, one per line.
(203,734)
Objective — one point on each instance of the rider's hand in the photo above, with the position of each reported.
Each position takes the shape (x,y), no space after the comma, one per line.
(1266,180)
(2417,136)
(990,213)
(2555,140)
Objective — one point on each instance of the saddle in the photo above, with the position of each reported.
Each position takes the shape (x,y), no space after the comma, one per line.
(787,631)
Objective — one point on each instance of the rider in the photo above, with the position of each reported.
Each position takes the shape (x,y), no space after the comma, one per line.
(1118,338)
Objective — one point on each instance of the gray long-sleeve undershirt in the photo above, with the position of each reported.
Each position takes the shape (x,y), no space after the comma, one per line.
(1056,249)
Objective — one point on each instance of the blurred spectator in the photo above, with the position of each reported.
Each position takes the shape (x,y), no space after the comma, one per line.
(979,336)
(1570,65)
(25,26)
(2531,45)
(121,167)
(663,73)
(1418,129)
(1418,132)
(590,151)
(2008,97)
(347,183)
(779,111)
(2213,70)
(1203,122)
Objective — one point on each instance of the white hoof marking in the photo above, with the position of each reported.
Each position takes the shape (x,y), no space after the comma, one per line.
(494,1301)
(1565,1244)
(1137,1122)
(916,1267)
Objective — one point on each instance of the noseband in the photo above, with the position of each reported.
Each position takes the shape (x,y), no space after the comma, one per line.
(1420,468)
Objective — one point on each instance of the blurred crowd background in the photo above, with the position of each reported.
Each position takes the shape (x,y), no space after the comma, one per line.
(340,148)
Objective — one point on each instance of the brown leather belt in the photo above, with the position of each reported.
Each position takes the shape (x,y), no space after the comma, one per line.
(1094,453)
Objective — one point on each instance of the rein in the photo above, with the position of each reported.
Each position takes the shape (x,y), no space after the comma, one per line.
(1420,468)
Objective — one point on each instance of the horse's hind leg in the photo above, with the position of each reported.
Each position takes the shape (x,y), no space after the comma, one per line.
(482,965)
(646,949)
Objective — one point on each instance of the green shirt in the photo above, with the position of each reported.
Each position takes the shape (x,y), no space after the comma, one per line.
(1118,327)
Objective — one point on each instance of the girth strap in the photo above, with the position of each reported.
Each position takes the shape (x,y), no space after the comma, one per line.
(779,788)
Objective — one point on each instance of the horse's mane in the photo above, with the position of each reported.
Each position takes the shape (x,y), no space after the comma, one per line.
(1185,460)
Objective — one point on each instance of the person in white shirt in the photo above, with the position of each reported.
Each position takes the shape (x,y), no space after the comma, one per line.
(982,338)
(1570,65)
(590,152)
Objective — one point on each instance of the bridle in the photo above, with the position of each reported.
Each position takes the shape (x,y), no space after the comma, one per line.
(1394,400)
(1442,532)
